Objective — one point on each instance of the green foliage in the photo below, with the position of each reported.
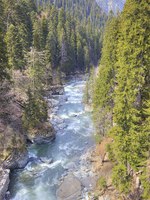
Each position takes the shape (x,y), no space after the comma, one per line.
(72,43)
(35,111)
(97,138)
(86,96)
(121,179)
(3,57)
(67,32)
(15,57)
(88,91)
(103,101)
(121,92)
(102,184)
(36,69)
(19,31)
(109,149)
(145,183)
(44,39)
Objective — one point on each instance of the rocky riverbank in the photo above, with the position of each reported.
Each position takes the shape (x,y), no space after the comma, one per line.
(14,139)
(91,180)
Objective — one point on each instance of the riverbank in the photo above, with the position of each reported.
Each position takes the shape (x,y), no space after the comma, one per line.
(14,138)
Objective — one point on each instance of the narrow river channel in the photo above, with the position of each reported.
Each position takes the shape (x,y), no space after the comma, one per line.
(40,179)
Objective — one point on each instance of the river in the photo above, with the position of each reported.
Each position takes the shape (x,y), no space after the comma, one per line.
(39,180)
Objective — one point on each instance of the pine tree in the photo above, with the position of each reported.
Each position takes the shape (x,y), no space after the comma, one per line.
(36,69)
(3,59)
(52,43)
(103,99)
(14,48)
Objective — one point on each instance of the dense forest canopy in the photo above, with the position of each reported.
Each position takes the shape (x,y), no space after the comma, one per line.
(70,33)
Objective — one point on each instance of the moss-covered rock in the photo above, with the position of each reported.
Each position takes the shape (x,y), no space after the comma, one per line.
(42,134)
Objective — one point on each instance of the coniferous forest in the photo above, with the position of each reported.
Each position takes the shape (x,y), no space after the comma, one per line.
(45,43)
(121,95)
(40,43)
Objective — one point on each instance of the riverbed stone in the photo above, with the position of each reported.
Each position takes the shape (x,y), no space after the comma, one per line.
(70,189)
(89,182)
(45,160)
(4,182)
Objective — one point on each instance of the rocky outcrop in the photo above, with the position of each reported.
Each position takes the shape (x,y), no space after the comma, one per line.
(16,161)
(4,182)
(43,134)
(70,189)
(54,90)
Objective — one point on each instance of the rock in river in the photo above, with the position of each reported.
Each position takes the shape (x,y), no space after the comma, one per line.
(70,189)
(43,134)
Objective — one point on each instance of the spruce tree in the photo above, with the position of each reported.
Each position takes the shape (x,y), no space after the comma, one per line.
(3,59)
(103,99)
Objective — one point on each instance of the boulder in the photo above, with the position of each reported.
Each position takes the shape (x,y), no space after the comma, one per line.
(43,134)
(45,160)
(89,182)
(55,90)
(4,182)
(18,161)
(70,189)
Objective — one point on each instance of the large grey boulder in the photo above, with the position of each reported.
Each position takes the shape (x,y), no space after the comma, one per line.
(70,189)
(4,182)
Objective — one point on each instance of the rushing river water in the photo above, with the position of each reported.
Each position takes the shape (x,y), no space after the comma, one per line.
(40,179)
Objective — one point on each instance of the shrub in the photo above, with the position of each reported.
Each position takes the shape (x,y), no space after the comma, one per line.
(102,184)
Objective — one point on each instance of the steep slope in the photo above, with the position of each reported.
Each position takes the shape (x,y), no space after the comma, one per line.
(114,5)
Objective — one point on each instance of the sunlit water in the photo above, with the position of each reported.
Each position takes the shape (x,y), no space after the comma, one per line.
(40,180)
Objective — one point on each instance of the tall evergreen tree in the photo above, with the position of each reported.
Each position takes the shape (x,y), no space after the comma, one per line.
(103,99)
(3,59)
(52,43)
